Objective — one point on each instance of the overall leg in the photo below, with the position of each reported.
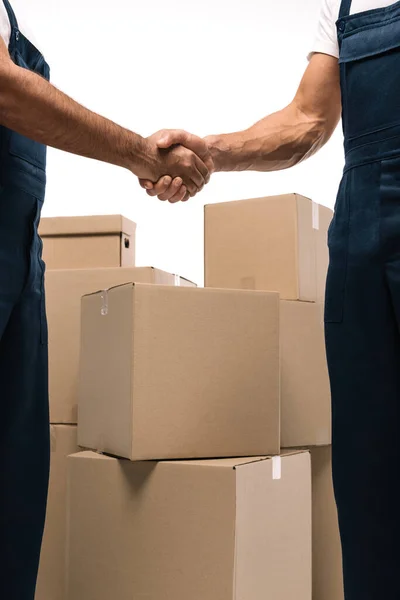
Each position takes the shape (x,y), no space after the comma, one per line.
(363,349)
(24,445)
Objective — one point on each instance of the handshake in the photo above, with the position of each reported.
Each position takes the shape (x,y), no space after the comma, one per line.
(176,165)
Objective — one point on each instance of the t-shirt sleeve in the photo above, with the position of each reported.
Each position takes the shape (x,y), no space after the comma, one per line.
(5,28)
(326,37)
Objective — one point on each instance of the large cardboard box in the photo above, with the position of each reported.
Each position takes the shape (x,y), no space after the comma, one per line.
(179,373)
(305,389)
(88,242)
(327,553)
(51,581)
(204,530)
(64,290)
(267,244)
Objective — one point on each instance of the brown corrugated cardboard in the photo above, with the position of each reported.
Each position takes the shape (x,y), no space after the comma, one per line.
(305,390)
(265,244)
(64,290)
(51,581)
(179,373)
(207,530)
(327,555)
(183,282)
(88,242)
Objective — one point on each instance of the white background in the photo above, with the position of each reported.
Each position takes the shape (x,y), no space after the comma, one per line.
(210,66)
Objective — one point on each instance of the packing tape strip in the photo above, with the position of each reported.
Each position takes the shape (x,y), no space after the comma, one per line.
(276,467)
(315,216)
(248,283)
(104,303)
(177,280)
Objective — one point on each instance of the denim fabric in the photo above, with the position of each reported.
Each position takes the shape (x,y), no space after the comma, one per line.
(362,310)
(24,423)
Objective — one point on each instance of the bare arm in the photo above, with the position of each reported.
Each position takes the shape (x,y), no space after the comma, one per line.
(278,141)
(291,135)
(33,107)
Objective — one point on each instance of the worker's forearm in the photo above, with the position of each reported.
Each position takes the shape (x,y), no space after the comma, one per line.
(279,141)
(33,107)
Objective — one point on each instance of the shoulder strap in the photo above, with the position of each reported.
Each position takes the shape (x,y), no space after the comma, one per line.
(344,8)
(11,14)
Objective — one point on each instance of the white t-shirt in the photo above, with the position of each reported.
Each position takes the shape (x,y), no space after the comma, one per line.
(5,27)
(326,38)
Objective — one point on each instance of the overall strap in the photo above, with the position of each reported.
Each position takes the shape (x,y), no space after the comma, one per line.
(344,8)
(11,14)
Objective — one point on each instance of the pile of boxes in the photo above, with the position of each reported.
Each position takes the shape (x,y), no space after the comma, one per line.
(204,413)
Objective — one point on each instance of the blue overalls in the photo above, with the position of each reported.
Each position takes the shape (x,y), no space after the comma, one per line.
(24,413)
(362,312)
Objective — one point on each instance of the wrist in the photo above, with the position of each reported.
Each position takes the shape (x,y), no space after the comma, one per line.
(225,151)
(141,157)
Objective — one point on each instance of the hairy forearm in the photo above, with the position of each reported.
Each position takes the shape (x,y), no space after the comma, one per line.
(33,107)
(277,142)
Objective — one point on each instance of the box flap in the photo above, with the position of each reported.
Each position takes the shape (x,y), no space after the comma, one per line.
(89,455)
(227,463)
(160,278)
(294,451)
(89,225)
(263,199)
(114,287)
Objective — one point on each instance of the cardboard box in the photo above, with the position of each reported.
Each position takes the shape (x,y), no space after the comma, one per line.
(305,388)
(327,553)
(88,242)
(51,583)
(64,290)
(179,373)
(266,244)
(206,530)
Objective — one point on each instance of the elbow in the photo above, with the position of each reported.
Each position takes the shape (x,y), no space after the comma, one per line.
(315,129)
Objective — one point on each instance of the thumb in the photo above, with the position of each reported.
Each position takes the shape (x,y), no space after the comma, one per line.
(147,185)
(171,138)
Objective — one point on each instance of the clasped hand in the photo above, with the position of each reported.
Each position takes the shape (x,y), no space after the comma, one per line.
(181,166)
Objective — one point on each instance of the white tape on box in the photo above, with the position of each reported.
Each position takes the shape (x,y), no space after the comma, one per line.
(276,467)
(177,280)
(104,303)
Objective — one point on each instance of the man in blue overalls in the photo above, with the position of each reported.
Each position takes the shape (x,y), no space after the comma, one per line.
(31,109)
(362,311)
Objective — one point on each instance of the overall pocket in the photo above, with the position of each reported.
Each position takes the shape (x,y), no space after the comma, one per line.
(338,242)
(369,62)
(44,334)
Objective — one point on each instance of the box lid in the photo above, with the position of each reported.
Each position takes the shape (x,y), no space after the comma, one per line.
(264,199)
(227,463)
(89,225)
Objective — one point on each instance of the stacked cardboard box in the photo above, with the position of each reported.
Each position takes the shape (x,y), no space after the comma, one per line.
(190,375)
(204,530)
(88,242)
(186,398)
(327,557)
(51,582)
(104,250)
(64,291)
(280,243)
